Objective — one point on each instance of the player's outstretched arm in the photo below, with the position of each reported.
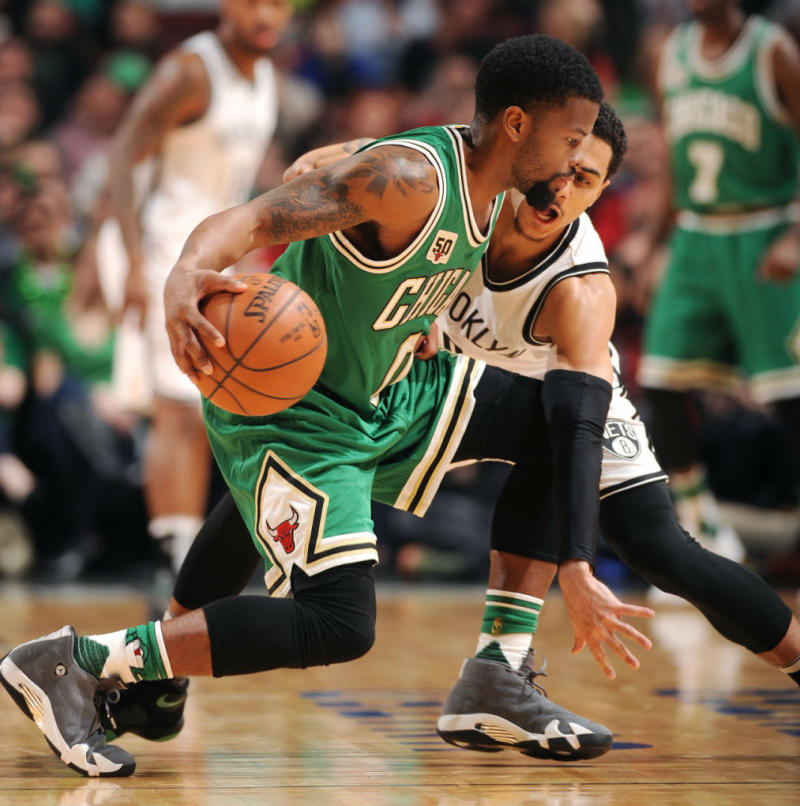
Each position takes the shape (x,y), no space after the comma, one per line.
(390,187)
(579,317)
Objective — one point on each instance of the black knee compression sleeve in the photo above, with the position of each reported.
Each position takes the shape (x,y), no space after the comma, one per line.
(523,521)
(331,619)
(788,412)
(641,526)
(674,428)
(221,560)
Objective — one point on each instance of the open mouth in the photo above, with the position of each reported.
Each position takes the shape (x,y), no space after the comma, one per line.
(548,215)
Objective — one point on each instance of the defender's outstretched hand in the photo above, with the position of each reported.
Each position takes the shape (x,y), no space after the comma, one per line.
(596,615)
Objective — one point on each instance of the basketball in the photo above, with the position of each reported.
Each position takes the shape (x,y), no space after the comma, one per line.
(275,346)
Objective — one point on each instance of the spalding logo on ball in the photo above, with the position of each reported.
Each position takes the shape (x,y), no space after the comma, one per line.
(275,346)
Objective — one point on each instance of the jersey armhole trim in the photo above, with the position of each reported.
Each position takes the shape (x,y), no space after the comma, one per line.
(765,78)
(343,245)
(596,267)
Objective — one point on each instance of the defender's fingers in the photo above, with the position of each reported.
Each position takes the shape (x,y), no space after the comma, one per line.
(631,632)
(636,610)
(623,651)
(603,662)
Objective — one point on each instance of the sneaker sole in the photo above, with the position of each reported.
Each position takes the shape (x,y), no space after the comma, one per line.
(489,734)
(16,682)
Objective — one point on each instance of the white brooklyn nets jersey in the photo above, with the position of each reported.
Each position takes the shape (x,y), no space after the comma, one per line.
(496,322)
(210,164)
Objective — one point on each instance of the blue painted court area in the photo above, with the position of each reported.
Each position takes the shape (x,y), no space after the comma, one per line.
(405,717)
(771,708)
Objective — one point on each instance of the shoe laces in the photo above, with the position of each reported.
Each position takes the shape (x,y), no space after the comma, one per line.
(530,674)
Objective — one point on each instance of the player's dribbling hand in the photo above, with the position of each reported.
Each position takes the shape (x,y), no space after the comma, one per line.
(428,344)
(596,616)
(184,289)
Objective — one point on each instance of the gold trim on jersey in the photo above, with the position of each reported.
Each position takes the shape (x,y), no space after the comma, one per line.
(732,223)
(343,245)
(289,525)
(730,61)
(766,85)
(474,234)
(422,484)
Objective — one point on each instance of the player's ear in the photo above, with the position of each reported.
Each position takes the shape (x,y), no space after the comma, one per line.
(516,123)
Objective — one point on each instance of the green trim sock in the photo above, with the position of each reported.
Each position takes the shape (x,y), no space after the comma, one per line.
(135,654)
(509,623)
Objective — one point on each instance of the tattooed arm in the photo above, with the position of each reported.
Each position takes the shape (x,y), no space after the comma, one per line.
(380,197)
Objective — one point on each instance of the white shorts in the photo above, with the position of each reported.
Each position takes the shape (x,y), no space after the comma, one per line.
(143,362)
(628,458)
(168,381)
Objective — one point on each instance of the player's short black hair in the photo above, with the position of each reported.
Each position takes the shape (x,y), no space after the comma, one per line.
(608,128)
(527,71)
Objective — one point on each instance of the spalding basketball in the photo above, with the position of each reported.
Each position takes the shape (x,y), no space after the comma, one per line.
(275,346)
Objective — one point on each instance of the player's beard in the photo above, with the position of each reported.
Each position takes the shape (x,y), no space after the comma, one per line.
(540,195)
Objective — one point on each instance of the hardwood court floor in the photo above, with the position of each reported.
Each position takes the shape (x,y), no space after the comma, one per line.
(702,723)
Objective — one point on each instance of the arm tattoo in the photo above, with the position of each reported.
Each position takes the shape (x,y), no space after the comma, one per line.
(328,201)
(390,166)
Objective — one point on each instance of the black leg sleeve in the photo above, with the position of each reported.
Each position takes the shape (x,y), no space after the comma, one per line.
(331,619)
(641,526)
(221,560)
(673,425)
(524,521)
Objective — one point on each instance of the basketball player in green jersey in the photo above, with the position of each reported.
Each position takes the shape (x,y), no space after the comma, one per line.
(729,303)
(383,240)
(552,263)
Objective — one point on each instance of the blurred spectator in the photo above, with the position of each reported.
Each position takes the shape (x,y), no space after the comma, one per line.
(19,113)
(68,435)
(16,63)
(59,59)
(134,28)
(16,480)
(86,130)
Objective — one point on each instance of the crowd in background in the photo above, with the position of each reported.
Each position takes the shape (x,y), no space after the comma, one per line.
(70,455)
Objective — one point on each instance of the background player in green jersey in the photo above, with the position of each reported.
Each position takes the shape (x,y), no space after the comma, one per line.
(729,304)
(353,436)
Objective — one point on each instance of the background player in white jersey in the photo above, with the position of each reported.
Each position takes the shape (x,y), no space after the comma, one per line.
(204,121)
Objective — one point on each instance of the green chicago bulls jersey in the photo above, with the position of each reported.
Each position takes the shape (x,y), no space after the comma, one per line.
(731,143)
(375,310)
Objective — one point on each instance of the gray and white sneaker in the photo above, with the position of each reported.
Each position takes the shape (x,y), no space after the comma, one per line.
(47,684)
(493,707)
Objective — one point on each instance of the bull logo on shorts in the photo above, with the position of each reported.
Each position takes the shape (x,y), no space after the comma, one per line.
(283,533)
(620,438)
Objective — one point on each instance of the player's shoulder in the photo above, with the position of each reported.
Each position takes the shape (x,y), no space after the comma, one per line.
(585,245)
(183,67)
(400,158)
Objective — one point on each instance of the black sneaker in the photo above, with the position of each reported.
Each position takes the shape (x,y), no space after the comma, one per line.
(492,707)
(152,709)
